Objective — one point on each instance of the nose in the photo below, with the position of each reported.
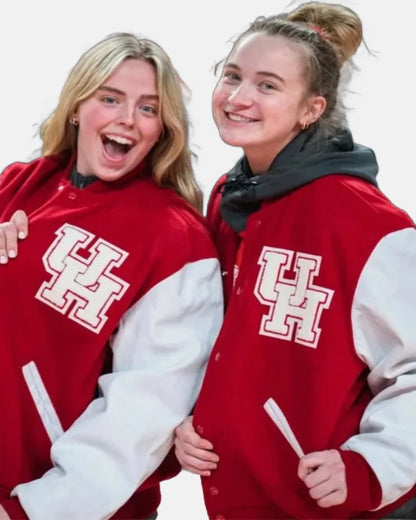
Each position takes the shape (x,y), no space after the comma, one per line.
(241,95)
(126,115)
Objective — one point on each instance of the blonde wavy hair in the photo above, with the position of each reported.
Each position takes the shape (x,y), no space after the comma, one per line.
(171,156)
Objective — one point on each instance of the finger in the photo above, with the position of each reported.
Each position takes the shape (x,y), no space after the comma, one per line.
(310,462)
(323,489)
(199,464)
(333,499)
(206,473)
(185,433)
(306,467)
(194,464)
(10,238)
(198,442)
(317,476)
(20,220)
(206,455)
(192,449)
(3,252)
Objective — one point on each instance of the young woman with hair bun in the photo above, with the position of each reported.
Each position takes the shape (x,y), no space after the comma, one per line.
(319,279)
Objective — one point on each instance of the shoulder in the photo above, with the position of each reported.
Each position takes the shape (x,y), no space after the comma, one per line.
(17,167)
(40,164)
(186,226)
(15,174)
(170,221)
(360,200)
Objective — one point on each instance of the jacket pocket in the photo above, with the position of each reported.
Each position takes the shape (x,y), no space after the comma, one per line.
(43,403)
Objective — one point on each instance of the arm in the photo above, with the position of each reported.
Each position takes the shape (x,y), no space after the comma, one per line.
(193,452)
(385,338)
(381,457)
(160,354)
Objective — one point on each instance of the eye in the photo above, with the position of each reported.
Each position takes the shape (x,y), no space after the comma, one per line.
(109,100)
(231,76)
(266,85)
(149,109)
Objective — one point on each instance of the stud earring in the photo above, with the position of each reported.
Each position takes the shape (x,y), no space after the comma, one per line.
(73,121)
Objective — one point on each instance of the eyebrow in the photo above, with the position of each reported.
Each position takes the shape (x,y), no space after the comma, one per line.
(259,73)
(107,88)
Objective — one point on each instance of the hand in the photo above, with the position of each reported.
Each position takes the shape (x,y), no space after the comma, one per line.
(193,452)
(323,472)
(3,514)
(10,232)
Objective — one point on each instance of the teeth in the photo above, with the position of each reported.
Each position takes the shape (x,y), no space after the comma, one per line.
(118,139)
(235,117)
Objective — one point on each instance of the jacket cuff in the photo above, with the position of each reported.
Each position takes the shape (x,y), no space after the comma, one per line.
(363,488)
(14,509)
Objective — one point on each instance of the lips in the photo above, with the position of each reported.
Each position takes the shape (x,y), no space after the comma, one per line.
(232,116)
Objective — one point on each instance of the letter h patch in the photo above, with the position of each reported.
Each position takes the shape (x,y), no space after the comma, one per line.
(82,285)
(295,305)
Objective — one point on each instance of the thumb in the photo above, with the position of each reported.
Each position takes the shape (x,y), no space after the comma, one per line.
(309,463)
(20,220)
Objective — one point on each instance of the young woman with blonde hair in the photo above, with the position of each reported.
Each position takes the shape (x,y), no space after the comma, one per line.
(114,298)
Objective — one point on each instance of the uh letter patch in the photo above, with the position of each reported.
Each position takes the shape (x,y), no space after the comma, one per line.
(82,286)
(295,304)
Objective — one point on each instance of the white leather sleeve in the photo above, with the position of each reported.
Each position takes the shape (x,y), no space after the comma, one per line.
(160,355)
(384,328)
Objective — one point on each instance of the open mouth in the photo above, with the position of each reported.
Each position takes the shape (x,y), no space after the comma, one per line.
(115,146)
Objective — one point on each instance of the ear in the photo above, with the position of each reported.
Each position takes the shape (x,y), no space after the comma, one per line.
(315,106)
(73,118)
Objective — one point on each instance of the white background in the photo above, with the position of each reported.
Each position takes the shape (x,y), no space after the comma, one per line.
(40,41)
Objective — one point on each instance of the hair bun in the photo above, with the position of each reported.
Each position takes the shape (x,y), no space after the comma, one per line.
(338,24)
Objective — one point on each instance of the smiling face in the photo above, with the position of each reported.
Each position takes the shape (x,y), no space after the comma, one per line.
(260,101)
(119,124)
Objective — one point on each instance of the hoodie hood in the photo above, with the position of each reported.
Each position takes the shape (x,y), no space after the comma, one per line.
(303,160)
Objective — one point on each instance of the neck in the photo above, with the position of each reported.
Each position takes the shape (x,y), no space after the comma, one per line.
(80,180)
(260,157)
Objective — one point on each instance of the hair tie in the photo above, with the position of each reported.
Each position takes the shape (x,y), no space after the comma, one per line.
(318,29)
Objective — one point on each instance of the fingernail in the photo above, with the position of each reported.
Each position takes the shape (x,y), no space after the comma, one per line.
(3,259)
(12,254)
(21,235)
(206,473)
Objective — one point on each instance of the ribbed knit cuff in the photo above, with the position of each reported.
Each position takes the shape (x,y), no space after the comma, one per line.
(364,490)
(14,509)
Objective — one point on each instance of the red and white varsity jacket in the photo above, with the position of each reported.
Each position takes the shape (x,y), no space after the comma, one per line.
(126,263)
(321,319)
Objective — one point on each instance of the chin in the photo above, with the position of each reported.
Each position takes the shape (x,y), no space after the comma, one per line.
(108,176)
(232,140)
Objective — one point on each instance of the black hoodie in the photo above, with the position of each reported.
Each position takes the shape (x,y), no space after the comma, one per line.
(303,160)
